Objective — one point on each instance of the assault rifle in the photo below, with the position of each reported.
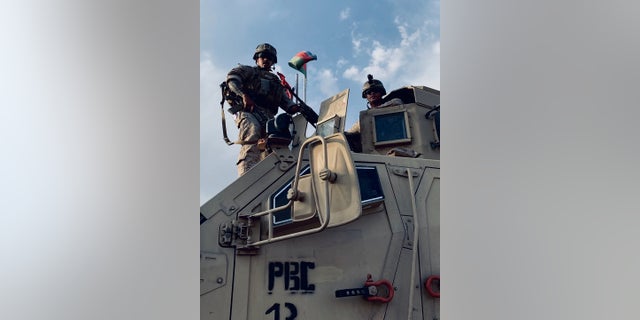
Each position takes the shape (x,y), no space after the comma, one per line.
(235,102)
(305,110)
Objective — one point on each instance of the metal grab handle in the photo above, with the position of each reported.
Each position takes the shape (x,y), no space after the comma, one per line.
(294,186)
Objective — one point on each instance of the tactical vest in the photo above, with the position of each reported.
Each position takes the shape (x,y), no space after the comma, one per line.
(263,87)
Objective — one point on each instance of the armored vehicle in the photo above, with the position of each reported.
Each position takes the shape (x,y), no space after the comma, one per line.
(334,225)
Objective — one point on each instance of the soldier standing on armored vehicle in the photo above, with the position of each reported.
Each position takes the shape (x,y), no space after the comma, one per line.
(258,93)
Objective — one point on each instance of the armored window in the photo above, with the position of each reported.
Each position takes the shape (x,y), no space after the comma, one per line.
(370,192)
(370,187)
(391,128)
(280,199)
(327,127)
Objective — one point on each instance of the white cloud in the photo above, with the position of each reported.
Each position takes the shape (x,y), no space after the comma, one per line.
(341,62)
(345,14)
(426,69)
(217,159)
(415,60)
(276,15)
(385,62)
(328,82)
(356,40)
(209,75)
(357,43)
(352,73)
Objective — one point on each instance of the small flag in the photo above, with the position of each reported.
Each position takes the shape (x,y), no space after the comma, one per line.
(299,61)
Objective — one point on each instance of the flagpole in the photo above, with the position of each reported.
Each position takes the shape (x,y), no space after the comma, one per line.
(297,86)
(305,87)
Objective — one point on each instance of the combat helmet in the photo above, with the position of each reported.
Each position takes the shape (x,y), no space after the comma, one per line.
(372,83)
(269,49)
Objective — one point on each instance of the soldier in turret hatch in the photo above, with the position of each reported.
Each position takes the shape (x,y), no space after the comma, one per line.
(261,93)
(373,91)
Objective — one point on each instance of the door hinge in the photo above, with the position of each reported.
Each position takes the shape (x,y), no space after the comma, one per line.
(238,234)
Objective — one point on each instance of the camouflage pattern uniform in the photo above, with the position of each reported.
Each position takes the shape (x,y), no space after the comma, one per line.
(264,88)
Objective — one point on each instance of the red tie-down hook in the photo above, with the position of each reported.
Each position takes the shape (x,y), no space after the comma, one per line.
(428,284)
(381,291)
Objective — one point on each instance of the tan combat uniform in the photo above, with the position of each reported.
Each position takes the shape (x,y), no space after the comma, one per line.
(264,88)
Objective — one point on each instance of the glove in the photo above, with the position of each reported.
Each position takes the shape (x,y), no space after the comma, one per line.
(294,109)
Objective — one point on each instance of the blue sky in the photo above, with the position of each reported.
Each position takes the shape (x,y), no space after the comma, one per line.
(396,41)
